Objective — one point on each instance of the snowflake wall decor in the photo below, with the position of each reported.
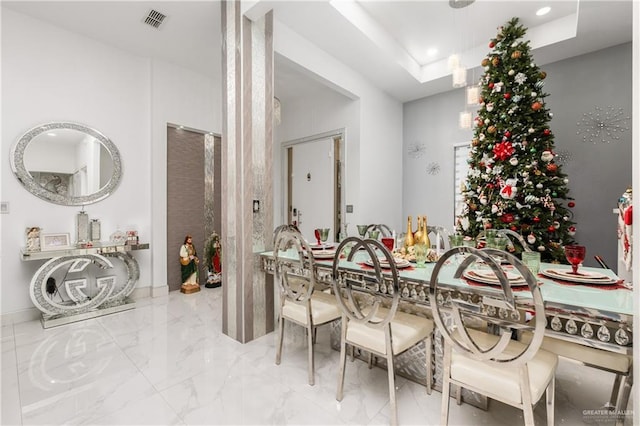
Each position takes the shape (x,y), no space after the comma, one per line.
(433,168)
(417,150)
(603,125)
(563,157)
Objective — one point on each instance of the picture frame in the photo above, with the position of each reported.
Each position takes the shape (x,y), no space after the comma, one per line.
(55,241)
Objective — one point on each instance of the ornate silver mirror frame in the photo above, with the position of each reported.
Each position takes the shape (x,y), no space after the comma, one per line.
(28,181)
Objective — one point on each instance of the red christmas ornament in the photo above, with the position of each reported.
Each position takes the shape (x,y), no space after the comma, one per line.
(546,132)
(506,218)
(552,168)
(507,95)
(536,219)
(571,204)
(488,225)
(551,228)
(490,185)
(490,85)
(536,106)
(492,44)
(514,228)
(507,134)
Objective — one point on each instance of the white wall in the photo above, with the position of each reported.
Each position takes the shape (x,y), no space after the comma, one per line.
(50,74)
(303,117)
(374,148)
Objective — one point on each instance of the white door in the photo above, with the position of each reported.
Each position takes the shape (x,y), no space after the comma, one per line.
(312,184)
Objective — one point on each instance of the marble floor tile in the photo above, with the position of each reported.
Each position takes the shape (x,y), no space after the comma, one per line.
(167,362)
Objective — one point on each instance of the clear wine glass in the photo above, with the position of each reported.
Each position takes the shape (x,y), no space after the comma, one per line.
(324,235)
(362,230)
(575,255)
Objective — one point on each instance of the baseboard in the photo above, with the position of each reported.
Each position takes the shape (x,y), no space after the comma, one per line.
(24,315)
(32,314)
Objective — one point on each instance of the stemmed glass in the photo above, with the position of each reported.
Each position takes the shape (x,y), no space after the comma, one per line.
(324,235)
(575,255)
(362,230)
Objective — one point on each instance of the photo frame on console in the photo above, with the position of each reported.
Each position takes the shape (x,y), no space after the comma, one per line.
(55,241)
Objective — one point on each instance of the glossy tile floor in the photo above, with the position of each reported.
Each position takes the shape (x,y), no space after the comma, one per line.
(167,362)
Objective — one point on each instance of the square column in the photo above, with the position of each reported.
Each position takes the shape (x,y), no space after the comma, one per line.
(246,172)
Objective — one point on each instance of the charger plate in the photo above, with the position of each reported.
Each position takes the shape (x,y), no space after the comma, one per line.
(400,263)
(489,277)
(583,277)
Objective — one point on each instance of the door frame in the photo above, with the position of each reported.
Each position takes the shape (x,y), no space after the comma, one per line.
(339,146)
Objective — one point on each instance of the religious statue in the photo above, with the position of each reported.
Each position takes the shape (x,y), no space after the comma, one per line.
(189,267)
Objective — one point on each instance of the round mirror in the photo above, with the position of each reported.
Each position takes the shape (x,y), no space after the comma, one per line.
(67,163)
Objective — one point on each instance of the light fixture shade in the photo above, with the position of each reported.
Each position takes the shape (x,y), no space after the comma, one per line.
(473,95)
(453,62)
(459,77)
(464,121)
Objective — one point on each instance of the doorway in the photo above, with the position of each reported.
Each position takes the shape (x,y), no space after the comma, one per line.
(314,190)
(193,195)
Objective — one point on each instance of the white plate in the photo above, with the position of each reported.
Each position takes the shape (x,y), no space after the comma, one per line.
(324,254)
(326,246)
(489,277)
(584,277)
(400,263)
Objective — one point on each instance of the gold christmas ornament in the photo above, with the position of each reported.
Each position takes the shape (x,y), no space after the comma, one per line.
(543,75)
(516,54)
(495,61)
(485,62)
(491,129)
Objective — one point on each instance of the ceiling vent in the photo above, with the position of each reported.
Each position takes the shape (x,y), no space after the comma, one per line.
(154,18)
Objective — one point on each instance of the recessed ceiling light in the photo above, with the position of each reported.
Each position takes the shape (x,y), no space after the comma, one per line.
(51,134)
(543,11)
(432,51)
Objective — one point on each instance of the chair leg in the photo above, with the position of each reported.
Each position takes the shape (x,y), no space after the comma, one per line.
(551,398)
(444,410)
(280,338)
(310,340)
(392,387)
(446,385)
(623,398)
(429,348)
(614,391)
(370,360)
(315,334)
(343,358)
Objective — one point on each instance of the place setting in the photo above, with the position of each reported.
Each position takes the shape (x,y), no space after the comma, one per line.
(322,250)
(575,254)
(399,262)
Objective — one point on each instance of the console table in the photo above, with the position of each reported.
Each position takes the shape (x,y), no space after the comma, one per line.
(87,288)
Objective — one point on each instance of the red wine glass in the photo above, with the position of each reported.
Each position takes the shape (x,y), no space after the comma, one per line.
(575,256)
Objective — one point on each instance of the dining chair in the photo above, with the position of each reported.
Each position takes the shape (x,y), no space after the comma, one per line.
(370,317)
(512,235)
(300,302)
(491,363)
(385,231)
(621,365)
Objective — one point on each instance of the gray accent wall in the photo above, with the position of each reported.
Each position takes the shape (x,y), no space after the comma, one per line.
(598,172)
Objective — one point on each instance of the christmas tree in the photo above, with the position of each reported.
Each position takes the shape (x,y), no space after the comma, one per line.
(513,181)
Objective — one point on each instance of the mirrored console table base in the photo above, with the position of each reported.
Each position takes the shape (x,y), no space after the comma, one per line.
(49,321)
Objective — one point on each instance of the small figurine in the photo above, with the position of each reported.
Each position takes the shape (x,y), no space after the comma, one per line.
(189,267)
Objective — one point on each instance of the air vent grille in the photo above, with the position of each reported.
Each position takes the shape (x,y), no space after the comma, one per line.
(154,18)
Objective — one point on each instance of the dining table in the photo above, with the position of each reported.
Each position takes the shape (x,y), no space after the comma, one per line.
(595,313)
